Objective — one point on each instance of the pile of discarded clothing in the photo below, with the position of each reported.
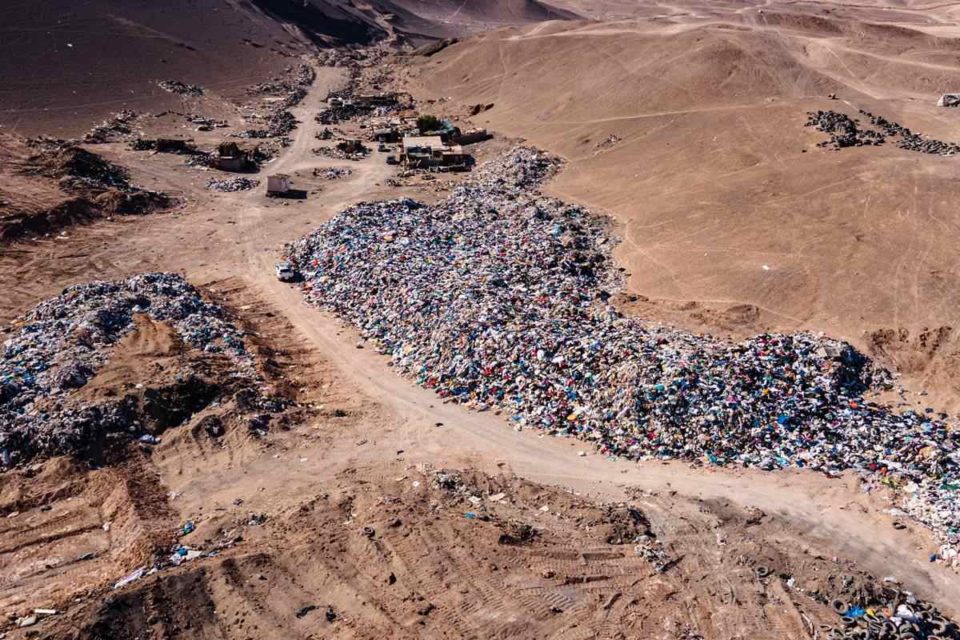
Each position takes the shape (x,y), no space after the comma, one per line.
(59,346)
(500,297)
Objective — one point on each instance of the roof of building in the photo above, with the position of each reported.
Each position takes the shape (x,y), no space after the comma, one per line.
(432,142)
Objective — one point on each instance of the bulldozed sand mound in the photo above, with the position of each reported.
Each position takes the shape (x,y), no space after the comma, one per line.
(45,186)
(689,129)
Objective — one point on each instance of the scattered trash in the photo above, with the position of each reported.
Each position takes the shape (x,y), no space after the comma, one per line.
(892,614)
(304,610)
(27,621)
(180,88)
(232,184)
(333,173)
(131,577)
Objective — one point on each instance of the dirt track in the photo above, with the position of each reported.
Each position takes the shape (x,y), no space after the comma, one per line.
(230,242)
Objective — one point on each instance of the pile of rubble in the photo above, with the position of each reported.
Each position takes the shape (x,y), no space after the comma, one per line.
(83,173)
(206,124)
(332,173)
(907,139)
(59,346)
(162,145)
(337,57)
(500,297)
(891,614)
(844,132)
(335,153)
(232,184)
(117,127)
(180,88)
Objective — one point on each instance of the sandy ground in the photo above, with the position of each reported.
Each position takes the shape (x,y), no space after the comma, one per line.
(368,457)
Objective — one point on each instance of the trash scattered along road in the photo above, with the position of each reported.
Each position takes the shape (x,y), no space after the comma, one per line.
(500,297)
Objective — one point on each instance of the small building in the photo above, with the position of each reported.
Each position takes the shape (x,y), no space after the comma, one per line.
(430,152)
(278,185)
(377,100)
(230,157)
(454,159)
(472,136)
(422,152)
(949,100)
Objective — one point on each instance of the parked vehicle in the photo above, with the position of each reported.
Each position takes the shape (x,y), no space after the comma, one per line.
(286,272)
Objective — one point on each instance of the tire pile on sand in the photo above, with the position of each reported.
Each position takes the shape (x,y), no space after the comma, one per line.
(845,132)
(497,297)
(59,346)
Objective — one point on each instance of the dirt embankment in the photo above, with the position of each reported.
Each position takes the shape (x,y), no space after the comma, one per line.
(420,553)
(45,186)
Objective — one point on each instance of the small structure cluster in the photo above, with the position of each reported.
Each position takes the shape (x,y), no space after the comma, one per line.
(430,152)
(499,297)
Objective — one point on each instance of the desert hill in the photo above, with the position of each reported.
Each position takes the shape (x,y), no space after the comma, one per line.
(688,127)
(66,65)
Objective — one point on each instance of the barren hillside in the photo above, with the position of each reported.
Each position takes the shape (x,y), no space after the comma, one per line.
(689,128)
(65,65)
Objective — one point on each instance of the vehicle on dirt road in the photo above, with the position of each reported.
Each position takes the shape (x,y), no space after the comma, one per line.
(286,272)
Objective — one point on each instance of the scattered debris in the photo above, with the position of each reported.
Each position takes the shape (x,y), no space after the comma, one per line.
(180,88)
(846,132)
(232,184)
